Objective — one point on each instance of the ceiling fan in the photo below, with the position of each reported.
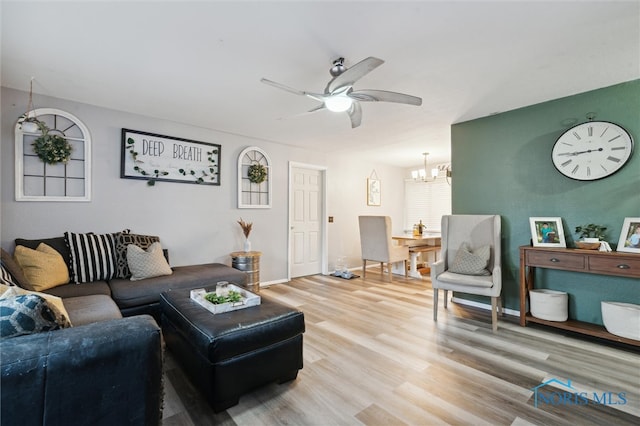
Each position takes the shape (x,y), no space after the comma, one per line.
(339,95)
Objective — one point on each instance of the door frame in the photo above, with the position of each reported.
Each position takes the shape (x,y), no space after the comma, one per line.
(323,197)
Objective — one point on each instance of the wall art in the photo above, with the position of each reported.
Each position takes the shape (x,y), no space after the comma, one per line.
(153,157)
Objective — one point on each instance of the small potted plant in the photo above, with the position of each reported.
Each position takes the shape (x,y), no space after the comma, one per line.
(591,235)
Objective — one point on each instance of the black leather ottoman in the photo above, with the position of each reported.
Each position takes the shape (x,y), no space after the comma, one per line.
(226,355)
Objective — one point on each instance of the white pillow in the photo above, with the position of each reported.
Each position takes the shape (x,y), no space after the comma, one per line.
(147,263)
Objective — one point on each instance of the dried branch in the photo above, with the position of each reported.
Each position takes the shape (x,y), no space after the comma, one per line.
(246,227)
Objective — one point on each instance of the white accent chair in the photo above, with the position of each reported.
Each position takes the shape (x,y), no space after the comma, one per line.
(476,231)
(377,245)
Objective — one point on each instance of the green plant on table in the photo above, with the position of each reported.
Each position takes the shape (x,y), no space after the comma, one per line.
(591,230)
(233,296)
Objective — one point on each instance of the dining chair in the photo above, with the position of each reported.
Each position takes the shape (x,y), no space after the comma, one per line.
(378,246)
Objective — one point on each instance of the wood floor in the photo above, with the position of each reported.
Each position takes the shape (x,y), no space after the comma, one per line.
(374,356)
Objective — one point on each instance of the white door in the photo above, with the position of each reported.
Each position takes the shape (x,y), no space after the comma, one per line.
(305,213)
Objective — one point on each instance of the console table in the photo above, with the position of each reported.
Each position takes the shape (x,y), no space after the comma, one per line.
(586,261)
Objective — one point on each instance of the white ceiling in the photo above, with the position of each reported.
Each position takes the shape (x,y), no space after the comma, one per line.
(200,63)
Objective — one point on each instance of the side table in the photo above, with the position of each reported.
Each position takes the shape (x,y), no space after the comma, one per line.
(248,262)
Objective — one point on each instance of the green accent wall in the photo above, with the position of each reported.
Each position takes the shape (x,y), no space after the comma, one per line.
(501,164)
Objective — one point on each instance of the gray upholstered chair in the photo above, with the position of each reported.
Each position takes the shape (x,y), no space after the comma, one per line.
(377,245)
(466,265)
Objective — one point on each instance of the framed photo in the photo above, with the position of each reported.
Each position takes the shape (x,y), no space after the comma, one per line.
(155,157)
(630,235)
(373,192)
(547,232)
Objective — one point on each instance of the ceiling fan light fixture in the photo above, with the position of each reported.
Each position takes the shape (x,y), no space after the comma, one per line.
(338,103)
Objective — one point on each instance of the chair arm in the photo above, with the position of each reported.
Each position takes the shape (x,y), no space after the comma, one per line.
(437,268)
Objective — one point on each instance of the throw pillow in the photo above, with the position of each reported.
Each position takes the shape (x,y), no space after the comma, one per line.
(14,269)
(147,263)
(55,303)
(468,262)
(5,276)
(122,241)
(92,256)
(25,314)
(44,267)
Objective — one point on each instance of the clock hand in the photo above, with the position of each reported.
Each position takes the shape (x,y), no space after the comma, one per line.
(580,152)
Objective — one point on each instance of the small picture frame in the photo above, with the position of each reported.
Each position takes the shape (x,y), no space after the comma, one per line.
(547,232)
(630,235)
(373,192)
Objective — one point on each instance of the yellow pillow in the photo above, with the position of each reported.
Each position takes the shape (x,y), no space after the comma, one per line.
(54,302)
(43,267)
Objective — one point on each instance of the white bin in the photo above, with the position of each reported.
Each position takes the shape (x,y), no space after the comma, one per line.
(550,305)
(622,319)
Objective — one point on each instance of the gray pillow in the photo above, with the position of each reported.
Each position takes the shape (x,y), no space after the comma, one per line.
(468,262)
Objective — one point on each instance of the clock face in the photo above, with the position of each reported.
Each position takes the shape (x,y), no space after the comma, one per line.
(592,150)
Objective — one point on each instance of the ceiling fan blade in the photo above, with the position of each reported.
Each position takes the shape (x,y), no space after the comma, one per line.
(353,74)
(355,114)
(282,86)
(316,96)
(368,95)
(312,110)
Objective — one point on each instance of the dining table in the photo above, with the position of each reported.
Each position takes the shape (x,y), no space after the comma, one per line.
(416,244)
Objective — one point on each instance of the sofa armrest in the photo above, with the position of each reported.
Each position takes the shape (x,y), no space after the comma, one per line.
(108,372)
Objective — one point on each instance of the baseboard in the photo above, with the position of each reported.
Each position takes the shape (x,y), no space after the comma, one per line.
(484,306)
(268,283)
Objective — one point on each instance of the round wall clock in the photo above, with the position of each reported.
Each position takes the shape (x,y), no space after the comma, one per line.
(592,150)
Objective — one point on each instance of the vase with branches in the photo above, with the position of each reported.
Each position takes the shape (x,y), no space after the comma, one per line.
(246,230)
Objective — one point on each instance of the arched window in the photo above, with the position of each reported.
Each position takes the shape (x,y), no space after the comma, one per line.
(39,181)
(254,179)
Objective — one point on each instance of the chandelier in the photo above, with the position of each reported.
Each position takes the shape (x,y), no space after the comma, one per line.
(421,174)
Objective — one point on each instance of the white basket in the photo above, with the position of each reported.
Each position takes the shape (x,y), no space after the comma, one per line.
(621,319)
(550,305)
(248,299)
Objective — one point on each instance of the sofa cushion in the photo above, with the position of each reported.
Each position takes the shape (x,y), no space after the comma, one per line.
(55,303)
(92,256)
(127,293)
(25,314)
(82,289)
(43,267)
(58,243)
(88,309)
(123,239)
(147,263)
(14,269)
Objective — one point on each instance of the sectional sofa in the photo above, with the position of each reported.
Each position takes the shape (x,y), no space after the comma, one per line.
(107,367)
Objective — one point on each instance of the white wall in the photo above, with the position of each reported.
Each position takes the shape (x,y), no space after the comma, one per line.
(348,200)
(196,223)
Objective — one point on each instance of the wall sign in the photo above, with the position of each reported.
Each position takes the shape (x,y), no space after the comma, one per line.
(153,157)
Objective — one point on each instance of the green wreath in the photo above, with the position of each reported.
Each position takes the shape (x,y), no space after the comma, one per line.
(257,173)
(51,149)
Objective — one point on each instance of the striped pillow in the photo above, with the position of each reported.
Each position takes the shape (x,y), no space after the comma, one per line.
(93,256)
(5,276)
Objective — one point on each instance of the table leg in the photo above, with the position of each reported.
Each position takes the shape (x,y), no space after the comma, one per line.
(413,268)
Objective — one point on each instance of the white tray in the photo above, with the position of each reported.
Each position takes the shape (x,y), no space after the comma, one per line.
(248,299)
